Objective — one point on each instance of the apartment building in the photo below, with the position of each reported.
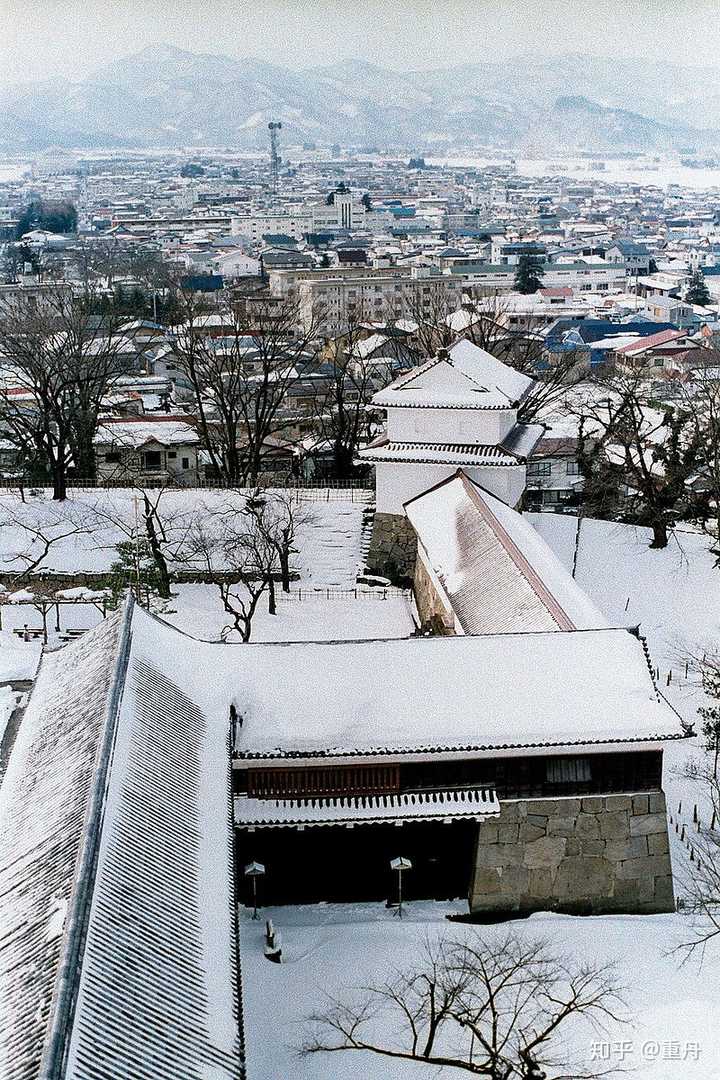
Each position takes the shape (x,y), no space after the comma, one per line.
(342,296)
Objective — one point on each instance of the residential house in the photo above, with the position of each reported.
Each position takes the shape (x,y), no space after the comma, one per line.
(151,450)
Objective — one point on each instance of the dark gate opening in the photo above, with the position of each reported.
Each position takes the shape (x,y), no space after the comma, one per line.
(337,864)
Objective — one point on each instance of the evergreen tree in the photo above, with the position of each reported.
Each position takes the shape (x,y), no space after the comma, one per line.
(528,275)
(136,569)
(697,291)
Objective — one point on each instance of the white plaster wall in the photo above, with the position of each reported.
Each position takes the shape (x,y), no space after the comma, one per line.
(450,425)
(396,483)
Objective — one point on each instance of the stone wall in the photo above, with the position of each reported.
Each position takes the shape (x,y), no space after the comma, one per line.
(584,855)
(430,607)
(393,548)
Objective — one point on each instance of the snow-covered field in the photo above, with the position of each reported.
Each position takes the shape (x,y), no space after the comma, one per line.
(330,949)
(90,525)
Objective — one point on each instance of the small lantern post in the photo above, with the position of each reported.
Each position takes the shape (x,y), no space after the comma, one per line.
(254,870)
(400,864)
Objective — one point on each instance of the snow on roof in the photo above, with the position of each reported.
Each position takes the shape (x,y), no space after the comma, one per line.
(476,803)
(651,342)
(134,432)
(362,349)
(166,829)
(432,453)
(444,694)
(418,695)
(43,808)
(464,377)
(127,847)
(497,573)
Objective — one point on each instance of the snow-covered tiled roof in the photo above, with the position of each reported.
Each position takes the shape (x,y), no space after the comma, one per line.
(44,802)
(134,432)
(474,803)
(117,957)
(496,571)
(436,453)
(463,377)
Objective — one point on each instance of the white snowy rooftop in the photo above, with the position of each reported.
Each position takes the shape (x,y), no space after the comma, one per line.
(366,809)
(418,695)
(117,955)
(497,573)
(465,377)
(136,432)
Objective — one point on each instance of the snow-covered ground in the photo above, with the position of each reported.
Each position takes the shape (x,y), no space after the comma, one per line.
(330,949)
(90,523)
(18,659)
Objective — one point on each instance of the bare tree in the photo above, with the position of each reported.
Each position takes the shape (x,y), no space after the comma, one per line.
(652,453)
(244,546)
(499,1009)
(343,414)
(164,531)
(700,400)
(242,379)
(36,528)
(62,362)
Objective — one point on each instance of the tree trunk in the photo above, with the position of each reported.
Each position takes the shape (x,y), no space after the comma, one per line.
(284,558)
(157,552)
(85,463)
(59,483)
(272,606)
(660,534)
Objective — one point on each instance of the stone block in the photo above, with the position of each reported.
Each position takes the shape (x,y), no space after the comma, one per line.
(664,891)
(587,826)
(650,866)
(573,846)
(631,891)
(540,882)
(615,803)
(584,877)
(632,847)
(499,855)
(554,807)
(547,851)
(592,847)
(530,832)
(593,804)
(488,832)
(656,802)
(640,804)
(614,825)
(561,826)
(537,819)
(508,832)
(658,844)
(509,811)
(486,881)
(648,823)
(514,881)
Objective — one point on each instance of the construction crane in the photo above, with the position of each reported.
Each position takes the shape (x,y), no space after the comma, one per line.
(274,127)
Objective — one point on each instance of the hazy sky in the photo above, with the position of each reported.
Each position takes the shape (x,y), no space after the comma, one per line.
(45,38)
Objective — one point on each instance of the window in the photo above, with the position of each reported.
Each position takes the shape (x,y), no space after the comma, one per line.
(572,468)
(172,454)
(152,461)
(186,463)
(113,458)
(567,770)
(539,468)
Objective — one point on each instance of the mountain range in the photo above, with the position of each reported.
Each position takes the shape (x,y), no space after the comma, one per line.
(164,96)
